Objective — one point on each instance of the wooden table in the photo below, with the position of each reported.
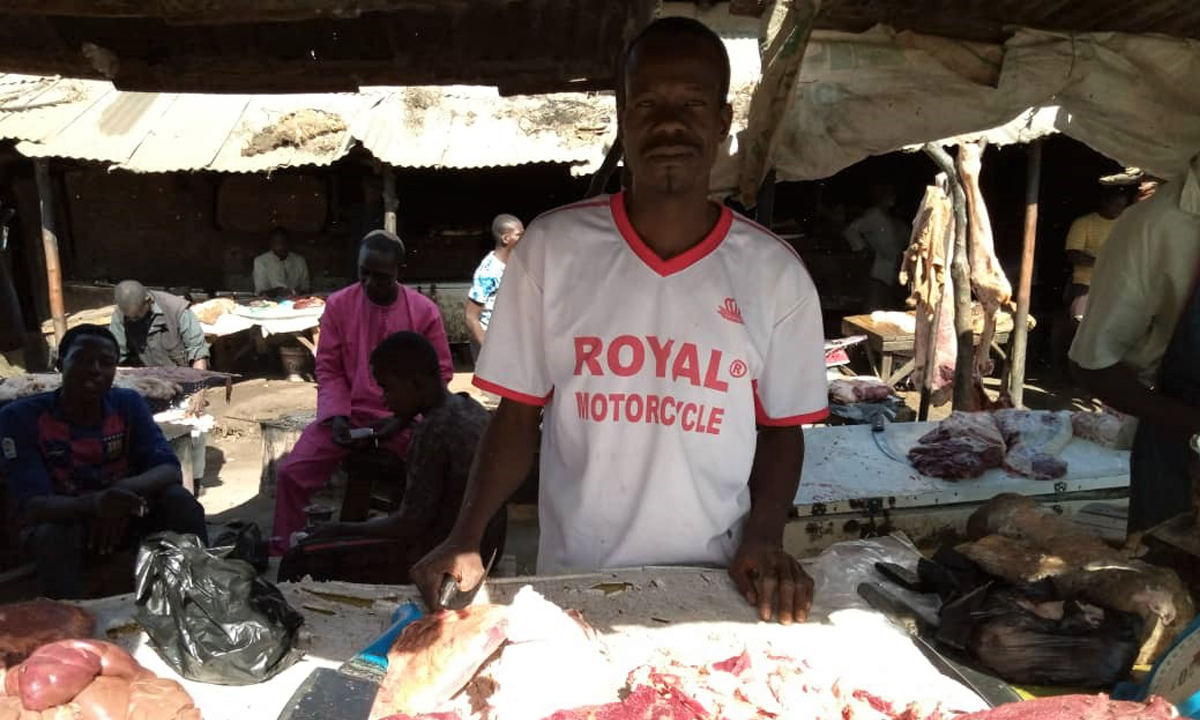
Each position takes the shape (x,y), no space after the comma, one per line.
(886,341)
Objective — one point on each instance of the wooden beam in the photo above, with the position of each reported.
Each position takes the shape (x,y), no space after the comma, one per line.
(221,12)
(960,273)
(391,203)
(1020,337)
(41,170)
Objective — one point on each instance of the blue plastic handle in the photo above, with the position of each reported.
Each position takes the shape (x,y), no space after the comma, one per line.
(376,652)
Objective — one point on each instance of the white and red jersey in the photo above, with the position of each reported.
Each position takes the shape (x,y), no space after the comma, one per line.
(654,374)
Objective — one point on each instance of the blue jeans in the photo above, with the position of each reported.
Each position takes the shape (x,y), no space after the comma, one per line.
(58,548)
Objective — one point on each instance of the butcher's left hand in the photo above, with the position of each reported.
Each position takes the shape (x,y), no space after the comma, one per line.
(767,576)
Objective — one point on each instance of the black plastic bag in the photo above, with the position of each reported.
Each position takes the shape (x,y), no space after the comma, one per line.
(212,619)
(246,543)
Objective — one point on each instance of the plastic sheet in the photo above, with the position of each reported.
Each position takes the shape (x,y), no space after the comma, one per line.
(839,570)
(212,619)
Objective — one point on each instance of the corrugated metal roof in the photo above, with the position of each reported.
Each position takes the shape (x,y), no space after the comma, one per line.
(474,127)
(449,127)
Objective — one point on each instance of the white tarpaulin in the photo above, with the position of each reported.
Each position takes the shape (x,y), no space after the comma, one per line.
(1131,97)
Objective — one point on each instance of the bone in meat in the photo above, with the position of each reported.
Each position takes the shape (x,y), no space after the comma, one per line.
(988,281)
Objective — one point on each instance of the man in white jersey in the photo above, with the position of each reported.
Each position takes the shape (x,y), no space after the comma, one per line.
(676,349)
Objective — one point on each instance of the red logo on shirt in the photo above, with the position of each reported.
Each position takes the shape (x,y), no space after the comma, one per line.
(731,312)
(738,369)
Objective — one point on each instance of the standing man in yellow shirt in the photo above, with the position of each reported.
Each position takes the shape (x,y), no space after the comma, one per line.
(1086,239)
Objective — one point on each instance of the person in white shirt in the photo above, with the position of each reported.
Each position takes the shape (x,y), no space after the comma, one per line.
(887,237)
(481,298)
(280,272)
(1138,344)
(675,348)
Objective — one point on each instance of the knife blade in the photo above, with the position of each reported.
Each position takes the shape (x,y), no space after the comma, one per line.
(878,430)
(449,593)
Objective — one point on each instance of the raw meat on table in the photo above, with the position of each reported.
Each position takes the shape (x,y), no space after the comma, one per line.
(1078,707)
(1104,428)
(859,389)
(962,446)
(436,656)
(90,680)
(26,626)
(1034,439)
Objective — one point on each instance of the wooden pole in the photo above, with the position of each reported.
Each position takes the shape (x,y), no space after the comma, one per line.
(1020,337)
(960,273)
(764,212)
(602,175)
(390,202)
(41,173)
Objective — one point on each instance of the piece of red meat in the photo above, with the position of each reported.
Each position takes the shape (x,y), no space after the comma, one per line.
(54,675)
(735,665)
(27,626)
(1078,707)
(436,656)
(643,703)
(105,698)
(962,446)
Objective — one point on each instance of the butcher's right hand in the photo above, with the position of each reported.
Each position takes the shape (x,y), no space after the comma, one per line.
(112,509)
(340,425)
(458,560)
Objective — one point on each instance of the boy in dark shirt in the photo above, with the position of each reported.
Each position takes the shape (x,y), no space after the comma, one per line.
(88,468)
(405,366)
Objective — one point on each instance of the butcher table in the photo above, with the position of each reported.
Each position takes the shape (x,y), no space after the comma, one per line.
(849,488)
(686,609)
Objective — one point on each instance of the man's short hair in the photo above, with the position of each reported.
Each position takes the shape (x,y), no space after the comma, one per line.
(502,224)
(129,295)
(385,242)
(680,30)
(79,332)
(278,232)
(406,354)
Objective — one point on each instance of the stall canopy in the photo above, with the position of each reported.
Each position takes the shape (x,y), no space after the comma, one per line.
(445,127)
(1131,97)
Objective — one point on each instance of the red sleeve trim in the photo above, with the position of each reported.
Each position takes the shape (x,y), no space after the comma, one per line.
(805,419)
(761,417)
(510,394)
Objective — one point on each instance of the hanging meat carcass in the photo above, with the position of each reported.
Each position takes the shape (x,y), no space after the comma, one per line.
(988,281)
(926,270)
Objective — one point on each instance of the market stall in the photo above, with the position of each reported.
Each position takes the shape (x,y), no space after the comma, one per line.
(646,642)
(690,613)
(292,319)
(851,487)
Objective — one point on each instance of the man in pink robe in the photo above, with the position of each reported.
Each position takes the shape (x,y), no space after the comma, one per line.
(356,319)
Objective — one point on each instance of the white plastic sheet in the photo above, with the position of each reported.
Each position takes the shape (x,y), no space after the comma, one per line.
(1131,97)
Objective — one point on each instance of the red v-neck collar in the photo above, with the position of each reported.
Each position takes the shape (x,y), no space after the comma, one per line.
(682,261)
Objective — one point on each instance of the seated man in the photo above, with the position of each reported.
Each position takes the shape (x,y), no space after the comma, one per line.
(279,272)
(88,468)
(443,445)
(356,319)
(156,329)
